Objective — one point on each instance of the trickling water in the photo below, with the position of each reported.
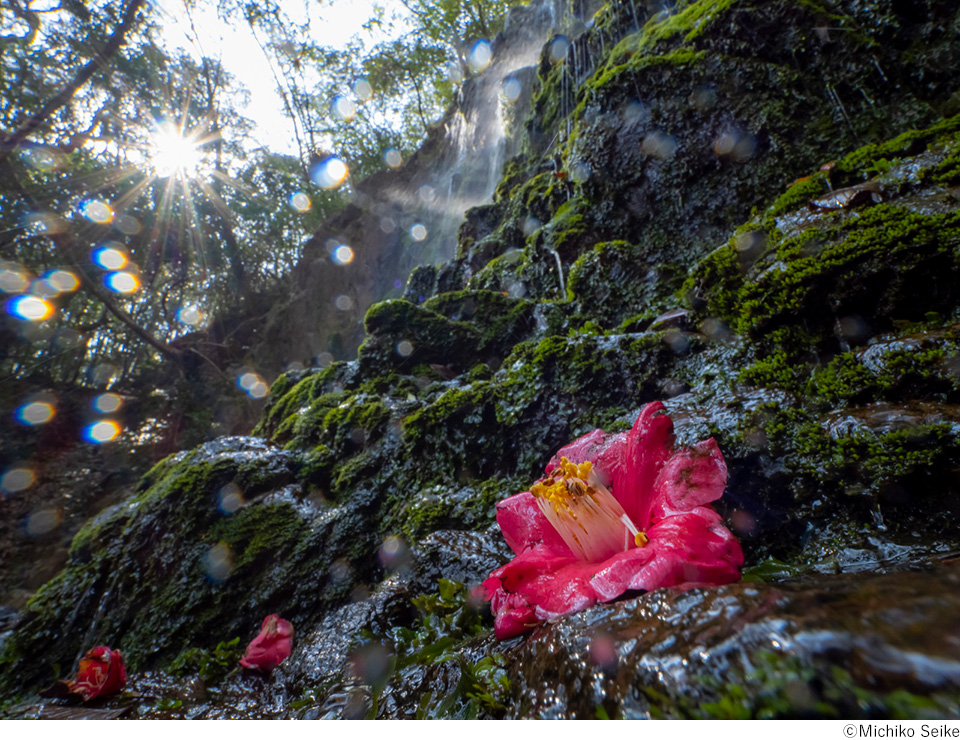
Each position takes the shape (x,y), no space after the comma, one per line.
(563,287)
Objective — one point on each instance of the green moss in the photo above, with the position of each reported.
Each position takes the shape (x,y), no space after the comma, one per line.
(287,400)
(212,666)
(454,407)
(862,247)
(856,165)
(256,535)
(358,415)
(800,193)
(846,379)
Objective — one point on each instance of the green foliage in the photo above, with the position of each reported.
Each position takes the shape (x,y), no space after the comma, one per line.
(211,665)
(446,624)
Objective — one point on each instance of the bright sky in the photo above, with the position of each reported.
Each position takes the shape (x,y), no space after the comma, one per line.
(235,45)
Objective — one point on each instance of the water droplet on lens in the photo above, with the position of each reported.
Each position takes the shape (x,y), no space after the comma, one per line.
(97,211)
(17,479)
(392,158)
(107,403)
(330,173)
(558,48)
(300,202)
(343,108)
(478,59)
(35,412)
(343,255)
(29,308)
(512,89)
(43,521)
(101,431)
(363,89)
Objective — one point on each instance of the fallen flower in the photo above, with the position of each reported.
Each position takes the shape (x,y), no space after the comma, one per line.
(614,513)
(271,647)
(101,673)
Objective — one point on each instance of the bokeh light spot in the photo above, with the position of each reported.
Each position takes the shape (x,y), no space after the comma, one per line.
(29,308)
(512,89)
(580,172)
(110,257)
(330,173)
(404,348)
(62,281)
(103,373)
(454,73)
(479,56)
(558,48)
(392,158)
(122,282)
(343,255)
(418,232)
(300,202)
(343,302)
(659,144)
(218,562)
(12,278)
(342,108)
(126,225)
(253,385)
(44,223)
(101,431)
(189,315)
(17,479)
(394,553)
(230,498)
(35,412)
(96,211)
(42,159)
(363,89)
(107,403)
(531,224)
(43,521)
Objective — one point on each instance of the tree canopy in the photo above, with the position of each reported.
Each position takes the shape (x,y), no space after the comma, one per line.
(135,206)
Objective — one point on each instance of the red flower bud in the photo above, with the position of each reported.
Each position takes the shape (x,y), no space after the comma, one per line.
(101,673)
(271,647)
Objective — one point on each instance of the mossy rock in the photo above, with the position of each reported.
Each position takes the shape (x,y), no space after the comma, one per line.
(193,560)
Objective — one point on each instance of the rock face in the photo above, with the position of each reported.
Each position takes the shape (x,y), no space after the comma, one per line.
(408,216)
(645,243)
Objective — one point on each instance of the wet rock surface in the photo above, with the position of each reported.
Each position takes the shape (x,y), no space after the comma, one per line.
(644,245)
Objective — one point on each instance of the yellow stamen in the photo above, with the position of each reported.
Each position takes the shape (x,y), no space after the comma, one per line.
(584,513)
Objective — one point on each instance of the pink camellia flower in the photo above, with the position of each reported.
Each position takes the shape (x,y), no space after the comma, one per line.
(271,647)
(101,673)
(614,513)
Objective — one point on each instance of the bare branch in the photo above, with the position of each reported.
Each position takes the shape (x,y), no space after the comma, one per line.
(79,80)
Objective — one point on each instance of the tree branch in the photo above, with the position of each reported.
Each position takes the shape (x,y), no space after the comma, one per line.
(79,80)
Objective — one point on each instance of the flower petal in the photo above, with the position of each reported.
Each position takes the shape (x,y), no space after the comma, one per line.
(649,444)
(694,476)
(604,450)
(514,614)
(691,547)
(616,575)
(524,525)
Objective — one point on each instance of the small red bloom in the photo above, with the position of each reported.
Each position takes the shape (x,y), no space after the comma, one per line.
(271,647)
(615,512)
(101,673)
